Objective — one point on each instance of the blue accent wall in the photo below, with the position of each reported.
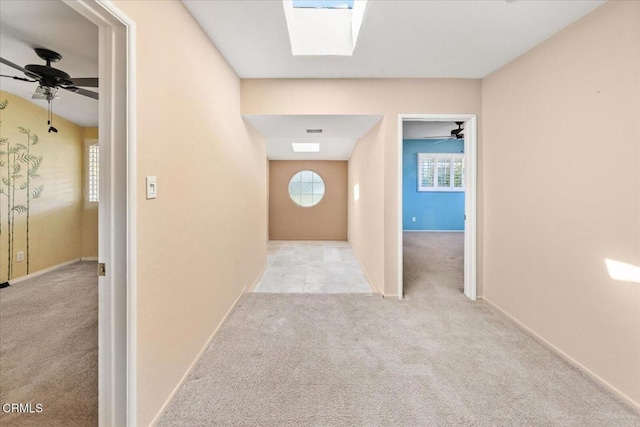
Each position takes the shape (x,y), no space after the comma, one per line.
(433,210)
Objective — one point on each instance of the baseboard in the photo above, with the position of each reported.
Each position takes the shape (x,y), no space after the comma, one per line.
(376,291)
(194,363)
(386,296)
(89,258)
(251,288)
(620,395)
(433,231)
(41,272)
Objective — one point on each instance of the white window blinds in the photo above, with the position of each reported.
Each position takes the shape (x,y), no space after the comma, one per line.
(440,172)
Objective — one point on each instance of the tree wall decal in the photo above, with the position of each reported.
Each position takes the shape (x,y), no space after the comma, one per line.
(18,169)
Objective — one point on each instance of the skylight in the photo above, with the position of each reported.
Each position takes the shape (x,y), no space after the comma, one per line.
(324,27)
(323,4)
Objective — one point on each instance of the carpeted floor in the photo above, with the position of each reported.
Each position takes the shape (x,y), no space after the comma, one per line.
(49,347)
(432,359)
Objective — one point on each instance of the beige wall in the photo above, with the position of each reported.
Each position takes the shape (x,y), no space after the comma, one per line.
(202,241)
(561,177)
(89,213)
(366,215)
(327,220)
(55,233)
(388,97)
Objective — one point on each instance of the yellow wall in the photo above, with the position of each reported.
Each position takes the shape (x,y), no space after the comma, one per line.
(326,220)
(90,212)
(388,97)
(366,215)
(55,233)
(202,241)
(562,191)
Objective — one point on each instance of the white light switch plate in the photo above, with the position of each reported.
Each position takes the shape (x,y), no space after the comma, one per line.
(152,187)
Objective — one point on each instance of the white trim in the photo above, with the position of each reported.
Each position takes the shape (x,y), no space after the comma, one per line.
(433,231)
(377,291)
(184,378)
(619,394)
(252,288)
(117,238)
(41,272)
(89,258)
(470,149)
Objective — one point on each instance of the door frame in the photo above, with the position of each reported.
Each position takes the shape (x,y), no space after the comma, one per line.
(117,211)
(470,195)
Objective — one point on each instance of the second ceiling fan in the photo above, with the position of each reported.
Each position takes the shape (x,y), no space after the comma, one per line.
(51,79)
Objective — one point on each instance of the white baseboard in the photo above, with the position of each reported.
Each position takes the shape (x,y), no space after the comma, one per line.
(41,272)
(620,395)
(376,291)
(89,258)
(433,231)
(255,282)
(194,363)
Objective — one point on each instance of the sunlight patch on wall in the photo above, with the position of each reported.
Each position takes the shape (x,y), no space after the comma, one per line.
(623,271)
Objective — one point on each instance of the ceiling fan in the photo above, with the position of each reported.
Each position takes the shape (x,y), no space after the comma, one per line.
(455,134)
(51,79)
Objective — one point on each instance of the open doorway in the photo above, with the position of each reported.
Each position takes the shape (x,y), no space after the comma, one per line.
(114,216)
(437,198)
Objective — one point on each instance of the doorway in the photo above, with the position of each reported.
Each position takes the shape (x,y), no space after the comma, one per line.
(116,234)
(469,159)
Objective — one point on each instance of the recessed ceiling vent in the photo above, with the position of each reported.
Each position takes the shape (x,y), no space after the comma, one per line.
(324,27)
(314,130)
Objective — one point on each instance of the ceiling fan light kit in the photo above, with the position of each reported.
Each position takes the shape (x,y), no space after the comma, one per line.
(51,79)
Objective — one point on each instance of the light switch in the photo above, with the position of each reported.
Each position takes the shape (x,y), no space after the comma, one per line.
(152,187)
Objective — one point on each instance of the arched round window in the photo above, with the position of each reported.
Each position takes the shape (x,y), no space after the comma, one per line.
(306,188)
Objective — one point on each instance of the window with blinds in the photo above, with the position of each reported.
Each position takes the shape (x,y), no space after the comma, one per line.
(440,172)
(93,173)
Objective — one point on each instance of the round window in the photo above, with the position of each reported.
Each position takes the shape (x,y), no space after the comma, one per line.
(306,188)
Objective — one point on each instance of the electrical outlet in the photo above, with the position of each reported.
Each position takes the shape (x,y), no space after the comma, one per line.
(413,219)
(20,256)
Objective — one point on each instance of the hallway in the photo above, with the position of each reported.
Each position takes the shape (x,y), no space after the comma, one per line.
(315,267)
(434,358)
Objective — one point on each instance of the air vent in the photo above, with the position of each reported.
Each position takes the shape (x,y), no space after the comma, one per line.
(314,130)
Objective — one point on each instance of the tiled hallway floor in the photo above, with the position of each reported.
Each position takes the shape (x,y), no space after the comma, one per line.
(312,267)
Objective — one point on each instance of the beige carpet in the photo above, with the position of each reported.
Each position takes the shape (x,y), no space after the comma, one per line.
(49,347)
(432,359)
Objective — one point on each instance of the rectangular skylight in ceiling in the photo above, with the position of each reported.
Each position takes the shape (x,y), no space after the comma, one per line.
(306,147)
(324,27)
(323,4)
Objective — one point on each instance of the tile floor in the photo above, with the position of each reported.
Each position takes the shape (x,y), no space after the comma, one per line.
(301,266)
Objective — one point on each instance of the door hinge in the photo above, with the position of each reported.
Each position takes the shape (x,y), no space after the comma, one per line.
(102,269)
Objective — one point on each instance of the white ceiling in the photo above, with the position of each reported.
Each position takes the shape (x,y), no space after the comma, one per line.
(338,137)
(51,24)
(421,129)
(465,39)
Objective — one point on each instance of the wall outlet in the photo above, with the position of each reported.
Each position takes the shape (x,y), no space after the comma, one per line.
(20,256)
(413,219)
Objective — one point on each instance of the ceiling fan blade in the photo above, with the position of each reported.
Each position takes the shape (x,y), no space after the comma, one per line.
(11,64)
(442,140)
(85,81)
(81,91)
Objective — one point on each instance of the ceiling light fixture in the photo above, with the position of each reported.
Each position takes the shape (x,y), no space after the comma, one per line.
(306,147)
